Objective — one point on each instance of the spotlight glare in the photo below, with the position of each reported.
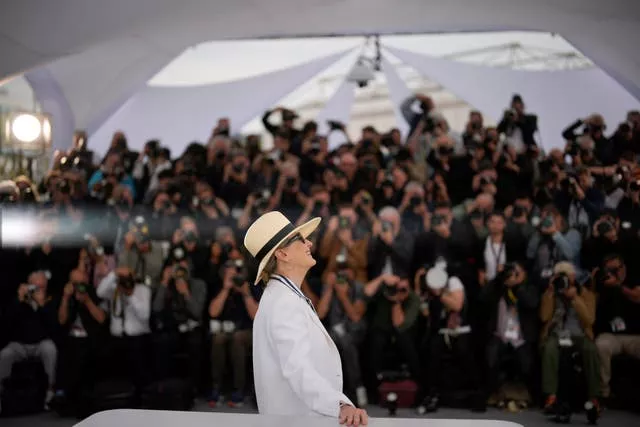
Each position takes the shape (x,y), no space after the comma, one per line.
(46,130)
(26,128)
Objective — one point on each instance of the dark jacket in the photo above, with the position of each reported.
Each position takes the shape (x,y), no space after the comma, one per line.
(527,306)
(29,326)
(400,253)
(528,124)
(76,309)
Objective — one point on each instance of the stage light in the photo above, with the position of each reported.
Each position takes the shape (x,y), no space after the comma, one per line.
(25,131)
(26,128)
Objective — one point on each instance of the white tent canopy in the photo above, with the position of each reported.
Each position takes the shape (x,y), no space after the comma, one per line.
(100,53)
(558,98)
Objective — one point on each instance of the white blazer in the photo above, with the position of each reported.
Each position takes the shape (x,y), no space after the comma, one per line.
(296,365)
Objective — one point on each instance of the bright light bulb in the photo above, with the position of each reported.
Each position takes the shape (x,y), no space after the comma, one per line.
(26,128)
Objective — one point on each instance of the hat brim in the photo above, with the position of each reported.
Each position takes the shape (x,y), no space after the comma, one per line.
(305,229)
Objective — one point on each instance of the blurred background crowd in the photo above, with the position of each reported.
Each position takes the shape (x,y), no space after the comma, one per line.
(451,266)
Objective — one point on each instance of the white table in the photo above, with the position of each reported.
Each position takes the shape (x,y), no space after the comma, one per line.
(142,418)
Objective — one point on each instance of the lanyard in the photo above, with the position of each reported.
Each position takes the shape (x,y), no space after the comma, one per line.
(285,281)
(498,254)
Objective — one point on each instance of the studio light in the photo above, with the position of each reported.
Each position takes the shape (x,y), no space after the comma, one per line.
(25,131)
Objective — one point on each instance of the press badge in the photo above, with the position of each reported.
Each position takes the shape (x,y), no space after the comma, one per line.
(339,329)
(511,333)
(564,339)
(618,325)
(228,326)
(215,326)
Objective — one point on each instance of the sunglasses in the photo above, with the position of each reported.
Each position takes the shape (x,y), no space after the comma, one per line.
(295,238)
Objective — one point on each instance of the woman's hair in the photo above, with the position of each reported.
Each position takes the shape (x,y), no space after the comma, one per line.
(269,269)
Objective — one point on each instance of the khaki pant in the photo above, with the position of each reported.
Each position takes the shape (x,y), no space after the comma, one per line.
(238,343)
(610,345)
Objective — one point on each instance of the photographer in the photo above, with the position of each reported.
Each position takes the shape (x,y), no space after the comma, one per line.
(188,238)
(391,246)
(518,126)
(129,307)
(343,237)
(232,311)
(83,319)
(142,255)
(342,308)
(474,130)
(395,310)
(629,207)
(32,319)
(511,330)
(497,249)
(553,242)
(579,200)
(236,187)
(449,331)
(257,204)
(567,311)
(289,196)
(618,318)
(607,238)
(178,306)
(112,167)
(413,209)
(594,127)
(159,162)
(162,218)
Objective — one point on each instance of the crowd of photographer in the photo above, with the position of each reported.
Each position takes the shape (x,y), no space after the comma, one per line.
(443,250)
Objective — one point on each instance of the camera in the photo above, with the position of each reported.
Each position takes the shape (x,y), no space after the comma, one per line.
(620,174)
(519,211)
(291,182)
(240,276)
(547,222)
(484,180)
(341,277)
(437,219)
(344,222)
(180,272)
(334,125)
(366,199)
(190,236)
(477,215)
(80,287)
(604,227)
(341,262)
(126,282)
(415,201)
(389,290)
(31,289)
(386,226)
(238,168)
(560,283)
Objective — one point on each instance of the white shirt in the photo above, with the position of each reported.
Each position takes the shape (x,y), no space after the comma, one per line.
(129,314)
(495,254)
(297,367)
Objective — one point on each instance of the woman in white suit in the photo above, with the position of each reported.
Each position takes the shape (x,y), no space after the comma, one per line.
(296,365)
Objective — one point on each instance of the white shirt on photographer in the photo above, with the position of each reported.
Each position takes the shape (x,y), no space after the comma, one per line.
(129,314)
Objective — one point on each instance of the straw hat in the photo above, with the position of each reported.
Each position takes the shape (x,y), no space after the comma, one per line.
(268,232)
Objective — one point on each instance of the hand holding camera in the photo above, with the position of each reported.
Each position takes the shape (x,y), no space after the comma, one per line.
(548,225)
(125,281)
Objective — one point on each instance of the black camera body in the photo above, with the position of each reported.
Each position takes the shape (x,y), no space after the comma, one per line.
(240,275)
(561,283)
(80,287)
(180,272)
(344,222)
(126,282)
(604,227)
(389,290)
